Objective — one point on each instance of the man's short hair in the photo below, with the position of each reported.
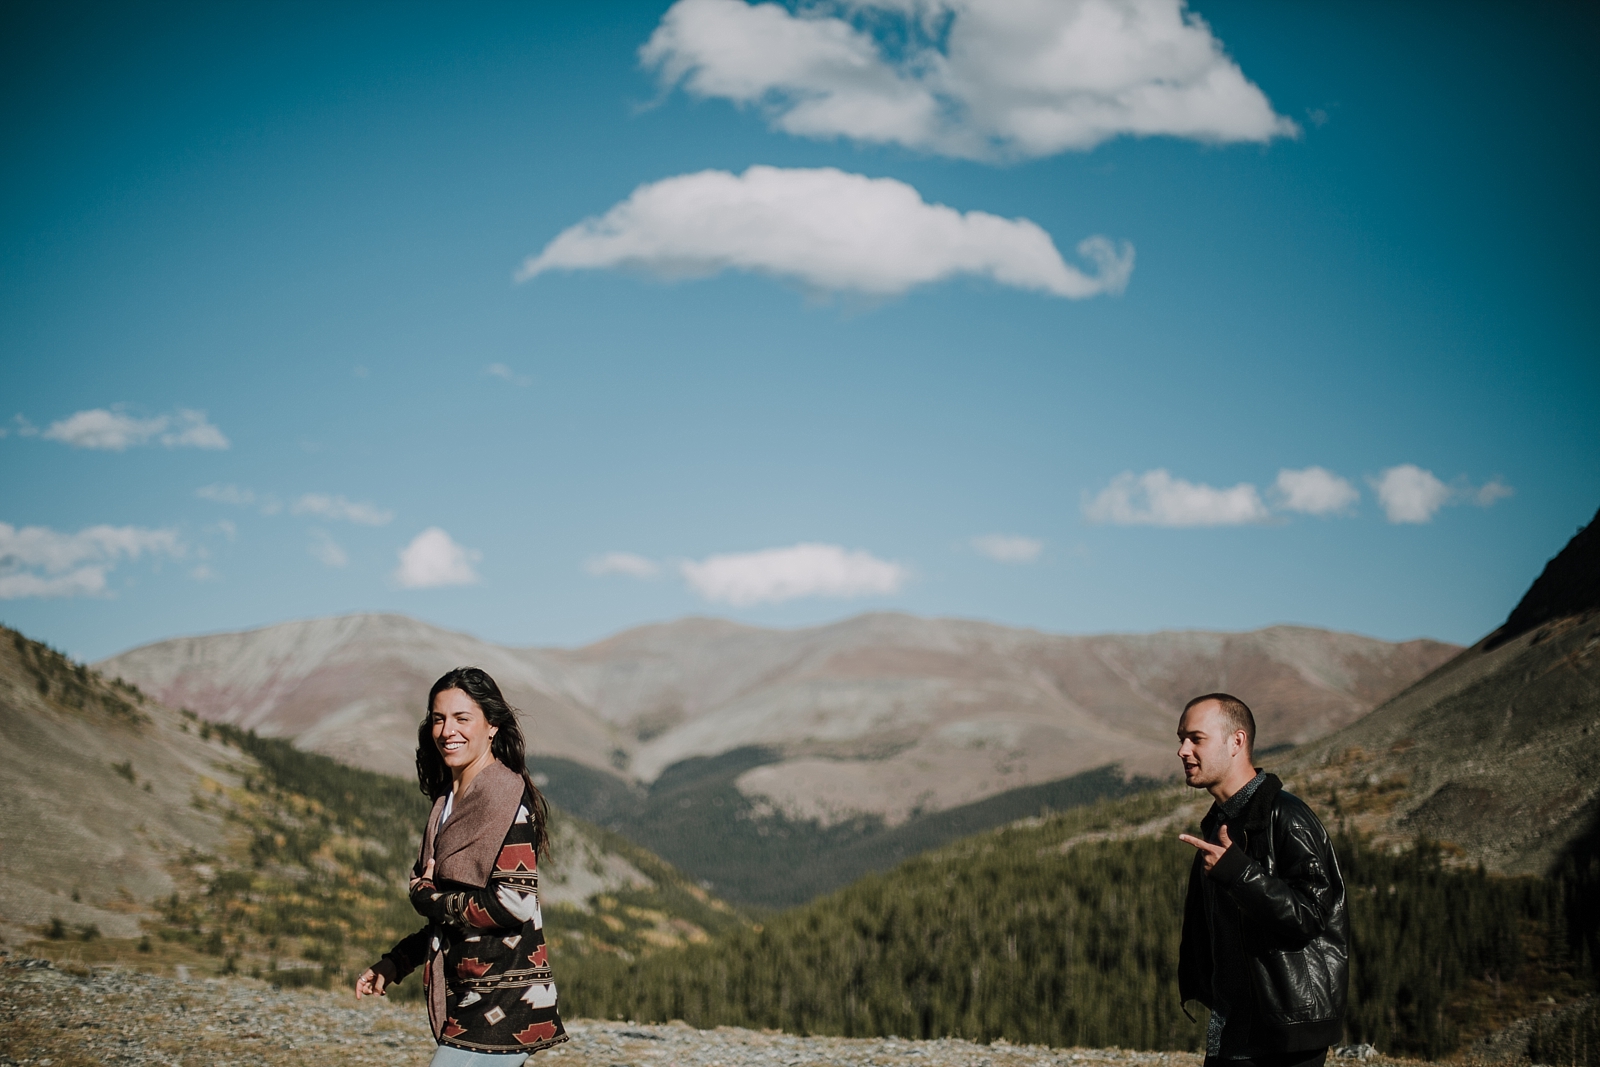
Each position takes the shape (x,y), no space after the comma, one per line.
(1236,711)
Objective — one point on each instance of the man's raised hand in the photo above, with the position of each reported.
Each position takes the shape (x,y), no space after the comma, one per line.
(1210,853)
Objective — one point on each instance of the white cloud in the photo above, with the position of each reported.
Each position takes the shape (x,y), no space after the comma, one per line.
(239,497)
(337,507)
(433,559)
(774,575)
(505,373)
(36,561)
(1007,549)
(1485,495)
(1315,491)
(828,230)
(978,79)
(226,494)
(325,550)
(1410,494)
(622,563)
(1156,498)
(115,430)
(191,430)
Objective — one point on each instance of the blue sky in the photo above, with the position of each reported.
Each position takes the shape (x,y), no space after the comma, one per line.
(265,353)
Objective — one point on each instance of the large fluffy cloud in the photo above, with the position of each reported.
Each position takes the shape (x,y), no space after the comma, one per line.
(828,230)
(433,559)
(36,561)
(1410,494)
(978,79)
(115,431)
(1156,498)
(774,575)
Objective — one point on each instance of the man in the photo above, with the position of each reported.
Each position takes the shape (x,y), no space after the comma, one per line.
(1265,935)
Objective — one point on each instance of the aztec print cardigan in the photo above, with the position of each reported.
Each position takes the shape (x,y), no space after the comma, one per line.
(487,978)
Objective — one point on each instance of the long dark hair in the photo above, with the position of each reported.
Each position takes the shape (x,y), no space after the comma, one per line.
(432,774)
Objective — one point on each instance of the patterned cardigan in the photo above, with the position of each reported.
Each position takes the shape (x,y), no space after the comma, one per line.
(487,945)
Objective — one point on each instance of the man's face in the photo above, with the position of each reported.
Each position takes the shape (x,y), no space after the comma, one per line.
(1208,746)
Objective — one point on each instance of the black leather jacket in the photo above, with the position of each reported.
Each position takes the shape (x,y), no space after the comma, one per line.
(1283,876)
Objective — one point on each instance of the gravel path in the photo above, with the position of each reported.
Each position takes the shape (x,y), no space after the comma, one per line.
(52,1018)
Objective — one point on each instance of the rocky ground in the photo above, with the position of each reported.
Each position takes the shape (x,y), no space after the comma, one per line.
(74,1016)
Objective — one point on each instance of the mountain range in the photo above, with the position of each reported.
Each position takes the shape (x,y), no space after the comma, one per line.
(883,715)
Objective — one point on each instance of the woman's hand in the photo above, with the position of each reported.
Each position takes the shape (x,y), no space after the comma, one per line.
(425,876)
(375,980)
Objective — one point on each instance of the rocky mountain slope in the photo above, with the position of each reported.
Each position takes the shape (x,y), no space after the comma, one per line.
(125,818)
(883,714)
(97,784)
(1495,752)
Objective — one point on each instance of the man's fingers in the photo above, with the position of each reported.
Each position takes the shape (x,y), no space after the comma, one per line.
(1195,841)
(1222,836)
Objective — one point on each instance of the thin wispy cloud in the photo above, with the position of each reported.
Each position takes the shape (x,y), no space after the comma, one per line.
(1156,498)
(36,561)
(827,230)
(433,559)
(325,550)
(774,575)
(1485,495)
(622,563)
(1315,491)
(506,374)
(1004,548)
(113,430)
(975,79)
(337,507)
(240,497)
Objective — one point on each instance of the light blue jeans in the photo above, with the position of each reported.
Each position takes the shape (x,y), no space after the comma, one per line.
(449,1056)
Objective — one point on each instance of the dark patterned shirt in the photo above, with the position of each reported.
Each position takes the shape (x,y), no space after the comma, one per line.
(500,994)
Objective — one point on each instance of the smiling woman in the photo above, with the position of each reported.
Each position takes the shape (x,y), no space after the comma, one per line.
(491,996)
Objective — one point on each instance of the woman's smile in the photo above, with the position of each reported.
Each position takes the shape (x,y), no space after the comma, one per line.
(461,733)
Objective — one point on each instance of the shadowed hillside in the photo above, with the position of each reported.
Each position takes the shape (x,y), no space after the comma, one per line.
(1496,751)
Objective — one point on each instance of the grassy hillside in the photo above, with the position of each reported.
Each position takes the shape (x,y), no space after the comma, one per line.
(767,860)
(204,845)
(314,888)
(1064,931)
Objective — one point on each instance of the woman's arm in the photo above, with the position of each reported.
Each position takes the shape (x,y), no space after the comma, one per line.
(393,967)
(508,901)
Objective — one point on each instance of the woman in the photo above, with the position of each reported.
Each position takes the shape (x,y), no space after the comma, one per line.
(491,1000)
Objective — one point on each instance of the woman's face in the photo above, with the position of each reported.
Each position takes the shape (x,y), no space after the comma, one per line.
(460,731)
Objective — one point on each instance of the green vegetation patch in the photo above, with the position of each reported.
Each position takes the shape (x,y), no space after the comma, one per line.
(1064,931)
